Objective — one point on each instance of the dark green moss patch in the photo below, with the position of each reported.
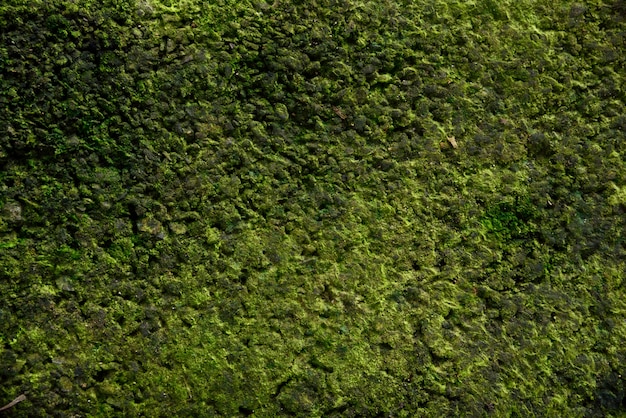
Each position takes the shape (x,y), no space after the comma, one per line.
(321,208)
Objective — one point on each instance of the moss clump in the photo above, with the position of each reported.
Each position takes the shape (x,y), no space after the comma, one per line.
(254,209)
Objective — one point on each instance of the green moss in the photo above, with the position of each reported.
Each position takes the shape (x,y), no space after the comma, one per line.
(257,209)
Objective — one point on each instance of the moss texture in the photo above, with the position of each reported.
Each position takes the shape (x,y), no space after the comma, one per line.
(313,208)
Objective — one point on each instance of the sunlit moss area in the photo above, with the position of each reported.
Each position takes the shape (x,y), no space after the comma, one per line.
(321,208)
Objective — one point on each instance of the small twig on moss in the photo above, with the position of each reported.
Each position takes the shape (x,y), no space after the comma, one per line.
(14,402)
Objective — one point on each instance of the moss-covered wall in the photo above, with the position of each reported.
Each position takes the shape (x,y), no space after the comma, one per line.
(313,208)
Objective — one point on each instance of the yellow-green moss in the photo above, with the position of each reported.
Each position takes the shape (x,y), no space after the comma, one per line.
(322,208)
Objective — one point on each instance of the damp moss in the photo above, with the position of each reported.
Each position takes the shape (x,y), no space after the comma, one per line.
(328,208)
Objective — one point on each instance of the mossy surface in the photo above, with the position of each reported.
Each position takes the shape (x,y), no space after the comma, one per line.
(321,208)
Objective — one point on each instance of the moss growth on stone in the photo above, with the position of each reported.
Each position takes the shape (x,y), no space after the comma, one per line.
(321,208)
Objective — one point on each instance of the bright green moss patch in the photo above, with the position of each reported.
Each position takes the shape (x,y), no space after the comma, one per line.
(312,208)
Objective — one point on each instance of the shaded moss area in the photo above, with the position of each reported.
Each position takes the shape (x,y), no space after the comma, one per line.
(321,208)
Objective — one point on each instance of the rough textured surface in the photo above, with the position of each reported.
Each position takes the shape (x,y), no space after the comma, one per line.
(317,208)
